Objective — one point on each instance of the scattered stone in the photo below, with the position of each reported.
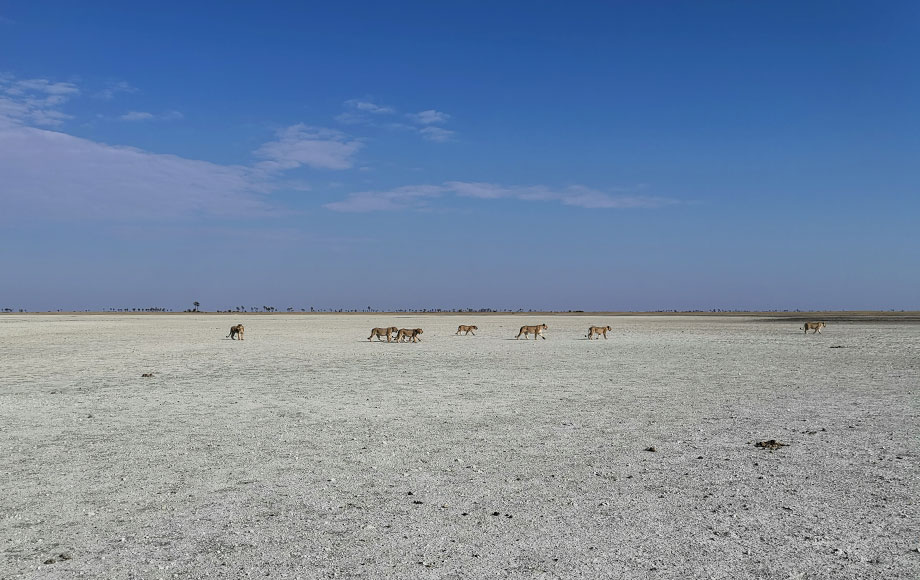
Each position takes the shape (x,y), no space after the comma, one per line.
(49,561)
(147,376)
(838,346)
(771,444)
(496,514)
(409,493)
(417,502)
(652,449)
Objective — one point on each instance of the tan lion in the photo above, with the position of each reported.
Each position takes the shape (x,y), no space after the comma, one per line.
(598,330)
(409,333)
(534,330)
(466,329)
(387,332)
(234,331)
(813,326)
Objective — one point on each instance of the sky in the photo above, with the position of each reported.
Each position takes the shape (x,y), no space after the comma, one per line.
(536,155)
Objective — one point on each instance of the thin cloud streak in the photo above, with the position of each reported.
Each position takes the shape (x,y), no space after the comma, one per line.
(418,197)
(401,198)
(369,107)
(145,116)
(429,117)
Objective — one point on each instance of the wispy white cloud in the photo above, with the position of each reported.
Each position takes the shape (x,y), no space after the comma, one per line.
(436,134)
(136,116)
(429,117)
(114,88)
(362,112)
(315,147)
(94,180)
(41,86)
(409,197)
(34,101)
(145,116)
(97,181)
(418,197)
(369,107)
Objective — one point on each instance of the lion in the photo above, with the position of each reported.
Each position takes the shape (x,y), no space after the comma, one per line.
(813,326)
(598,330)
(467,329)
(387,332)
(534,330)
(234,331)
(409,333)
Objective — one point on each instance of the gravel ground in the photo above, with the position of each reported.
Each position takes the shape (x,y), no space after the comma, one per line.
(305,451)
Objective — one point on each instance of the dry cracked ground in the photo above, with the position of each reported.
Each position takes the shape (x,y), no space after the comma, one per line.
(305,451)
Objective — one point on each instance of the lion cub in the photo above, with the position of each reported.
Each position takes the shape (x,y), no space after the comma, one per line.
(234,331)
(467,329)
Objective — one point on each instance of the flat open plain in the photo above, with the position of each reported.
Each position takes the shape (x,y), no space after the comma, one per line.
(305,451)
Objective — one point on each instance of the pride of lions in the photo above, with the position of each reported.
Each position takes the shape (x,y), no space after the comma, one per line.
(393,333)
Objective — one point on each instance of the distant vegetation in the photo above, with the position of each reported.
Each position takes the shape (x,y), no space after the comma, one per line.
(291,309)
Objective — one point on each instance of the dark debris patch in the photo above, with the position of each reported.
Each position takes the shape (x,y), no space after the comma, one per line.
(771,444)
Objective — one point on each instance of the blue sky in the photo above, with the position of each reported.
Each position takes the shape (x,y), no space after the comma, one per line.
(595,156)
